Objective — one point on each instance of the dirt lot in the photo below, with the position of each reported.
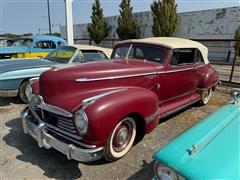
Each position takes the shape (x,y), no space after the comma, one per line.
(22,159)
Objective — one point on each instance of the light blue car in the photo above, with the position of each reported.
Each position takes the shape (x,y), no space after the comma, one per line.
(15,74)
(37,46)
(209,150)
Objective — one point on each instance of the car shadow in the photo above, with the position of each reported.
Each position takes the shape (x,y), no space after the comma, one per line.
(146,172)
(53,163)
(10,100)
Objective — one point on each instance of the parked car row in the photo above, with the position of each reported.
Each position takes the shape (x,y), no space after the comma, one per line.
(99,109)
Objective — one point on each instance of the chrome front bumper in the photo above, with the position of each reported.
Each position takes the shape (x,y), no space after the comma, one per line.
(47,141)
(10,93)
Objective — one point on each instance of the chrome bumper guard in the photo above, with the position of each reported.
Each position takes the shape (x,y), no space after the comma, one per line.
(47,141)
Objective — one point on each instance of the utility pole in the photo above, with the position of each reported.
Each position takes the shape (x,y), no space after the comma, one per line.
(69,21)
(49,18)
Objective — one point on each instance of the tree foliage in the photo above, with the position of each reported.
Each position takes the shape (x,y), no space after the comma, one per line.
(165,19)
(128,27)
(237,37)
(98,29)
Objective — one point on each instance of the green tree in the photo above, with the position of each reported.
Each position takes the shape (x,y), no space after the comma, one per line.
(165,19)
(98,29)
(237,37)
(127,25)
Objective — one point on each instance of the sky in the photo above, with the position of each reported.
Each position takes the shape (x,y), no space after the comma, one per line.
(30,16)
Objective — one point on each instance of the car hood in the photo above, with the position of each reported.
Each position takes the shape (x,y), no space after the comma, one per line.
(12,65)
(13,50)
(75,83)
(209,150)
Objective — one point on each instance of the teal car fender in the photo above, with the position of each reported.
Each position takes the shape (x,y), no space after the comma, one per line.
(13,79)
(14,73)
(209,150)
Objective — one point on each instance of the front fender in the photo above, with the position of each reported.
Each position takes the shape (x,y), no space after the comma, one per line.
(104,113)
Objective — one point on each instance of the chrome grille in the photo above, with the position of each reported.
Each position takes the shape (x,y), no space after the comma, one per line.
(58,124)
(66,124)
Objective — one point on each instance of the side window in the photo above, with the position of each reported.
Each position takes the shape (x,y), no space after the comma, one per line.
(182,56)
(45,45)
(120,52)
(136,53)
(155,54)
(198,56)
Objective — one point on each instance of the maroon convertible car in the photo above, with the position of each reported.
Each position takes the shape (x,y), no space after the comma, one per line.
(99,109)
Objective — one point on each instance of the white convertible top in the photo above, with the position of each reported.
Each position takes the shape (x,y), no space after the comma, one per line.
(106,51)
(173,43)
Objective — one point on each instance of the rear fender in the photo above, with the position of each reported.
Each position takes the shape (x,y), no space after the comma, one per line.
(209,80)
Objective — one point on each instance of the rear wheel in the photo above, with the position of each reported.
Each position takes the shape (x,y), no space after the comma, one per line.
(22,91)
(205,96)
(121,139)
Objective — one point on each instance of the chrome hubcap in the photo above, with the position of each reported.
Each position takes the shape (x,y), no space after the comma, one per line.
(122,136)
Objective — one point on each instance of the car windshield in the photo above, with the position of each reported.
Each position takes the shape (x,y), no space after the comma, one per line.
(139,51)
(22,42)
(91,55)
(62,54)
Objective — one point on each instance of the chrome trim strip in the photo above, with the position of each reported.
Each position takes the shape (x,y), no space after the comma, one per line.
(178,109)
(80,80)
(86,101)
(152,116)
(10,93)
(179,70)
(200,66)
(182,95)
(55,110)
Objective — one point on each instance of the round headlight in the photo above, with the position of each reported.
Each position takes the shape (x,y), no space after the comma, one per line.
(164,173)
(81,122)
(28,91)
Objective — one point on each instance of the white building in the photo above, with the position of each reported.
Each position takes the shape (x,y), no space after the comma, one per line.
(205,24)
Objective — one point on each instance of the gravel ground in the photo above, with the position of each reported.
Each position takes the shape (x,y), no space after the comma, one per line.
(22,159)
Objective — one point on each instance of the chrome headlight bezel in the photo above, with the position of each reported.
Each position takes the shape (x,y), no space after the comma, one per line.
(81,122)
(162,171)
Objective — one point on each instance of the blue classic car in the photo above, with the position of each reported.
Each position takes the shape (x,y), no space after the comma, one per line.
(209,150)
(15,74)
(37,46)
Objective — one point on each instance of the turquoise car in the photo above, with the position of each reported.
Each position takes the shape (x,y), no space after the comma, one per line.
(15,74)
(208,150)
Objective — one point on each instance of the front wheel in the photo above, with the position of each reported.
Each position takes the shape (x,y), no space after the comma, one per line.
(205,96)
(121,139)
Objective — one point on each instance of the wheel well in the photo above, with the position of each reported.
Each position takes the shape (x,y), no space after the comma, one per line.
(141,128)
(213,88)
(24,80)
